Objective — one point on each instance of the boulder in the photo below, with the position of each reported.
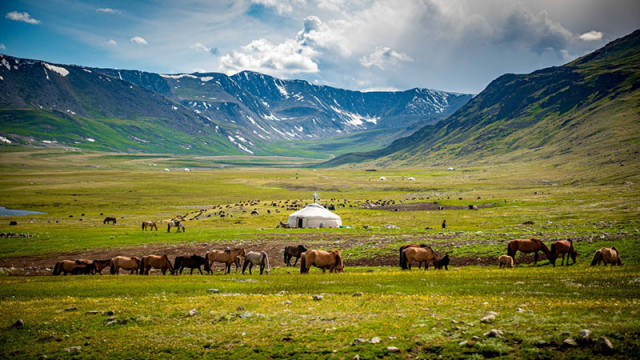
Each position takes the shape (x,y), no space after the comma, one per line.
(604,345)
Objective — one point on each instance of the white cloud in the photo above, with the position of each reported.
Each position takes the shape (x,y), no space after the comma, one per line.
(112,42)
(138,40)
(288,57)
(591,36)
(282,6)
(200,47)
(108,10)
(22,16)
(383,57)
(2,47)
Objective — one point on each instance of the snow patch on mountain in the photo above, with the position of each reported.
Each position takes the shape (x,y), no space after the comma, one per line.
(178,76)
(60,70)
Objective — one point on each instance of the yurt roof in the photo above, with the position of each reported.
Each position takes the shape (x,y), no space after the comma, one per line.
(315,211)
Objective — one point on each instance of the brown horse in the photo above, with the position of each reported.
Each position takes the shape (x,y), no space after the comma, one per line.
(420,255)
(177,224)
(532,245)
(331,260)
(291,252)
(228,257)
(562,247)
(607,256)
(109,219)
(65,267)
(84,269)
(149,225)
(505,261)
(157,262)
(125,263)
(193,262)
(99,265)
(403,260)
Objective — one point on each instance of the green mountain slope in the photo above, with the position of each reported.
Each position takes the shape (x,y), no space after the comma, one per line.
(586,112)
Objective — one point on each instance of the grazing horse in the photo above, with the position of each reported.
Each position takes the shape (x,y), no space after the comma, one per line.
(125,263)
(323,259)
(177,224)
(562,247)
(532,245)
(149,225)
(65,267)
(109,219)
(291,252)
(505,261)
(282,225)
(607,256)
(157,262)
(403,260)
(256,258)
(98,265)
(227,257)
(84,269)
(420,255)
(193,262)
(443,262)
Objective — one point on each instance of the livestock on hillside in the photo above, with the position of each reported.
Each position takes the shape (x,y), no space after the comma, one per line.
(324,260)
(532,245)
(562,247)
(607,256)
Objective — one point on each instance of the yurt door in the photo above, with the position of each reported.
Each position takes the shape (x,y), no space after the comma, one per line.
(300,222)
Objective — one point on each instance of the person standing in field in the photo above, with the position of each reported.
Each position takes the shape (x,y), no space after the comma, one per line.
(444,224)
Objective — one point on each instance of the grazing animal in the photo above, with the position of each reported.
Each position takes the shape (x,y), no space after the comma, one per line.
(607,256)
(562,247)
(193,262)
(64,267)
(157,262)
(331,260)
(291,252)
(98,265)
(149,225)
(125,263)
(256,258)
(109,219)
(254,212)
(177,224)
(505,261)
(532,245)
(84,269)
(420,255)
(443,262)
(283,225)
(227,257)
(403,260)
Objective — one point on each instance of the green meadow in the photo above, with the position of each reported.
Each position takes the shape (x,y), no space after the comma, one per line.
(415,314)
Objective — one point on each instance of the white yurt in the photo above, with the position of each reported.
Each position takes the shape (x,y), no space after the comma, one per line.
(314,216)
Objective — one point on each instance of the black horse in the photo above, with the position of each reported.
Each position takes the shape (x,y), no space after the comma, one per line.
(443,262)
(84,269)
(192,262)
(293,251)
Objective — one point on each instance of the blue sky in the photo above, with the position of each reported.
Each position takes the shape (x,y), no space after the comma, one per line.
(454,45)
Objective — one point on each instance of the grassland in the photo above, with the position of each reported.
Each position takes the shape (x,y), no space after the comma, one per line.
(423,314)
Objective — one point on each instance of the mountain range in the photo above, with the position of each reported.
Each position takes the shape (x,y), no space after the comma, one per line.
(586,112)
(201,113)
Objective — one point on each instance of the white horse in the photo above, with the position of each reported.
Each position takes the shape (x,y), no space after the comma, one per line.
(256,258)
(177,224)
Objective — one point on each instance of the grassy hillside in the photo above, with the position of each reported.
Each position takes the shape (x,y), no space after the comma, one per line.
(585,113)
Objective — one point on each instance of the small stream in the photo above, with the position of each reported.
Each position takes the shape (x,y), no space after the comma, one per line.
(10,212)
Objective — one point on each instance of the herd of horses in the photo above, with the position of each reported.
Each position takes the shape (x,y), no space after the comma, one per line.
(421,254)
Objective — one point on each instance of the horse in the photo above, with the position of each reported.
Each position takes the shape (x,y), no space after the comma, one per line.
(323,259)
(283,225)
(505,261)
(177,224)
(607,256)
(443,262)
(256,258)
(293,251)
(193,262)
(98,265)
(532,245)
(109,219)
(65,267)
(84,269)
(420,255)
(149,225)
(403,260)
(125,263)
(157,262)
(562,247)
(227,257)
